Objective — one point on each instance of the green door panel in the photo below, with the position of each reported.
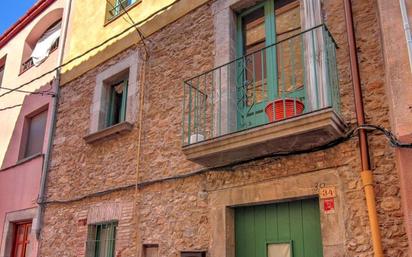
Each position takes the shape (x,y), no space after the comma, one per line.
(297,222)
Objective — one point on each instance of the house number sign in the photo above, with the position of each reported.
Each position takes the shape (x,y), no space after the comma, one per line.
(327,192)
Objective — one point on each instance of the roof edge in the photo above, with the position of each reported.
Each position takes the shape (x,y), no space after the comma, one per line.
(21,23)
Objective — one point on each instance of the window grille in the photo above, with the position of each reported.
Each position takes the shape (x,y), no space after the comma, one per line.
(101,240)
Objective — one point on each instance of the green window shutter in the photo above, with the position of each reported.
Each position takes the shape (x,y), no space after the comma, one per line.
(124,101)
(103,238)
(116,109)
(110,113)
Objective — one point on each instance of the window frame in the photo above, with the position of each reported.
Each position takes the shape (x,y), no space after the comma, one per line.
(27,63)
(2,68)
(110,115)
(114,9)
(26,237)
(94,230)
(270,15)
(26,132)
(126,68)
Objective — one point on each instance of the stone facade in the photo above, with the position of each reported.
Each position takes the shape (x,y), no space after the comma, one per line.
(184,213)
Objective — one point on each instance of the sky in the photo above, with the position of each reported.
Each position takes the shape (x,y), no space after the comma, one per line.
(15,9)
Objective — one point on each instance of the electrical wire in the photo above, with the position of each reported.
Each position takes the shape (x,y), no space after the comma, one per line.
(18,88)
(132,22)
(10,107)
(93,48)
(394,142)
(42,93)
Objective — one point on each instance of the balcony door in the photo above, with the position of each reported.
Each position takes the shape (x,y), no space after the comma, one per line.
(270,64)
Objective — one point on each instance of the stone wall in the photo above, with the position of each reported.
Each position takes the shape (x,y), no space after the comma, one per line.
(175,214)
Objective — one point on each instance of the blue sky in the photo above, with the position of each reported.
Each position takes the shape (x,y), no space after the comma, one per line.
(14,10)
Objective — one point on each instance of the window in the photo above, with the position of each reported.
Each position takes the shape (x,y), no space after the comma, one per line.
(193,254)
(41,47)
(101,240)
(35,129)
(267,75)
(114,105)
(116,111)
(1,74)
(116,7)
(2,65)
(21,241)
(150,250)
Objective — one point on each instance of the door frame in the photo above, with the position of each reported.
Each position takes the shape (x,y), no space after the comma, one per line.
(270,39)
(224,200)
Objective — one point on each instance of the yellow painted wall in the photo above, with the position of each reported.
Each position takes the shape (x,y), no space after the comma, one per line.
(88,26)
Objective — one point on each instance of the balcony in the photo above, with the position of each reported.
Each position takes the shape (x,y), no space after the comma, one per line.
(29,62)
(284,97)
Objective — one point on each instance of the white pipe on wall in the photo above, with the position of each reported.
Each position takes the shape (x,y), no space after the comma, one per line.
(407,29)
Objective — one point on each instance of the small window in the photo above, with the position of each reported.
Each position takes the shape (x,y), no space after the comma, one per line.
(101,240)
(116,112)
(193,254)
(150,250)
(279,250)
(116,7)
(36,127)
(21,240)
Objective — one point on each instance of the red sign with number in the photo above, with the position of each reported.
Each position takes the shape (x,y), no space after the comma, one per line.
(329,205)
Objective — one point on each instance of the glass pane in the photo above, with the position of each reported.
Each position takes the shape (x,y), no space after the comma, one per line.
(19,250)
(35,135)
(28,250)
(255,61)
(104,241)
(27,240)
(289,52)
(115,108)
(279,250)
(20,233)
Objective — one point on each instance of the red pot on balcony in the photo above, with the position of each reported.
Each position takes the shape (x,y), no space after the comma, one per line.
(283,108)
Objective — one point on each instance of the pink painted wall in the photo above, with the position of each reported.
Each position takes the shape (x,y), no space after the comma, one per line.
(20,179)
(399,90)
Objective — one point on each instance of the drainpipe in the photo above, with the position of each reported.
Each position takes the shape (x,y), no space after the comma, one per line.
(407,29)
(46,162)
(366,173)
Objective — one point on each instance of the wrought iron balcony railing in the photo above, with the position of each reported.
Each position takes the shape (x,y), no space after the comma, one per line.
(295,76)
(29,62)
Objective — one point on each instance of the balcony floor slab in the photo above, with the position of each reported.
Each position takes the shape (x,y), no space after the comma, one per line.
(294,134)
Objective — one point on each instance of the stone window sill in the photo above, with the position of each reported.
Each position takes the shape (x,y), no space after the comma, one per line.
(108,133)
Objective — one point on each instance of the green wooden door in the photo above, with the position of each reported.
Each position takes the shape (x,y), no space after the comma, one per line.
(297,223)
